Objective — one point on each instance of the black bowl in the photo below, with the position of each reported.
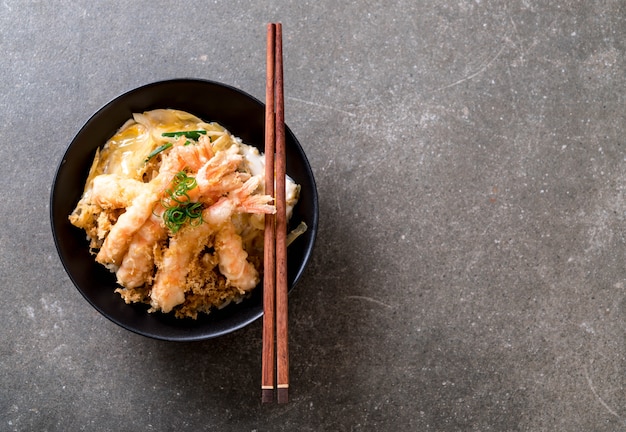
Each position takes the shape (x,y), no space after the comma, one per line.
(243,116)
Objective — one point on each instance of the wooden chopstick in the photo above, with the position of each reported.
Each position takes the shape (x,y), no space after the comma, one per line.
(269,275)
(282,351)
(275,253)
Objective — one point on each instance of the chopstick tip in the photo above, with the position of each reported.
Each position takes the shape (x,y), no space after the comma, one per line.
(267,395)
(283,395)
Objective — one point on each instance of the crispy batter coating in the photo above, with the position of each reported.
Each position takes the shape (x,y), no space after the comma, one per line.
(133,199)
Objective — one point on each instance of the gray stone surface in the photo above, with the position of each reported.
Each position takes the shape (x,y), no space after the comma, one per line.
(469,269)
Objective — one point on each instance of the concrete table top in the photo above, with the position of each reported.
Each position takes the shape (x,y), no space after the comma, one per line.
(468,274)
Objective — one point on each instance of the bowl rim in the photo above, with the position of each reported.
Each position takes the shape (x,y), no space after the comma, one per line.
(190,335)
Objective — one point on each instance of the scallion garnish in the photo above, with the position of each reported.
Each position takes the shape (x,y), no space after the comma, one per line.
(157,150)
(194,135)
(178,205)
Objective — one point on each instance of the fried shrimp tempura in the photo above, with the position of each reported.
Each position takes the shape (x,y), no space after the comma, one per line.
(174,206)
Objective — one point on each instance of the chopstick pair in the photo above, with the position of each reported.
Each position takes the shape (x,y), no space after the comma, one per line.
(275,354)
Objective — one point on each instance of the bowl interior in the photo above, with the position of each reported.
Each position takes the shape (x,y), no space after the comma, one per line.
(243,116)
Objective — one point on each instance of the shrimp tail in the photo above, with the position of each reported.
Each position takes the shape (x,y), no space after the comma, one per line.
(247,202)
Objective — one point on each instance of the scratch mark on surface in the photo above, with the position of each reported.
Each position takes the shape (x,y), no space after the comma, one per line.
(595,393)
(480,70)
(322,106)
(369,299)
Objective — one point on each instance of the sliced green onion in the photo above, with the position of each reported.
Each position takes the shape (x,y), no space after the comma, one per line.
(194,135)
(178,197)
(178,205)
(177,216)
(157,150)
(194,210)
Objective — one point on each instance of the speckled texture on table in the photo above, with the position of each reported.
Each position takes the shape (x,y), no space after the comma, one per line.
(468,275)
